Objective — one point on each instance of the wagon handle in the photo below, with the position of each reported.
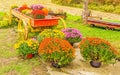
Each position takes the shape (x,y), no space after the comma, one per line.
(63,21)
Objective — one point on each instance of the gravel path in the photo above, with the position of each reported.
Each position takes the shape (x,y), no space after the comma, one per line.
(78,11)
(5,6)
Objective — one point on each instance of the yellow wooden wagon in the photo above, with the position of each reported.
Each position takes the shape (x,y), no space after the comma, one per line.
(34,23)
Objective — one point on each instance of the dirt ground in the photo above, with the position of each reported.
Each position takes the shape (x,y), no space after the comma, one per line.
(78,66)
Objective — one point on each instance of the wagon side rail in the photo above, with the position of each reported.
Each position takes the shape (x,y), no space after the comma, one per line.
(101,23)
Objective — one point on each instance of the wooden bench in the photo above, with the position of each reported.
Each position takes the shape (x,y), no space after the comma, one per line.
(99,22)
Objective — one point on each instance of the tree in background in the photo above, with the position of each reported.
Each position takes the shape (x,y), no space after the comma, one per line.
(85,12)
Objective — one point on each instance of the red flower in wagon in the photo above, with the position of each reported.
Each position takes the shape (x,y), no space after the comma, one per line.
(23,7)
(38,14)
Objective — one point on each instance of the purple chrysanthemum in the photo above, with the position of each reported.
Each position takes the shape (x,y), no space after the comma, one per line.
(72,34)
(36,6)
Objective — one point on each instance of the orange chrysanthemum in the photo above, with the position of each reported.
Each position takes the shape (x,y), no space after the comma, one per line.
(90,41)
(50,45)
(57,50)
(97,49)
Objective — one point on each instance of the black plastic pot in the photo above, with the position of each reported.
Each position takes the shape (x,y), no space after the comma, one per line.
(71,44)
(55,64)
(95,64)
(118,59)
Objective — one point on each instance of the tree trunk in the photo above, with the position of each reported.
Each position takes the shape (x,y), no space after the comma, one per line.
(85,12)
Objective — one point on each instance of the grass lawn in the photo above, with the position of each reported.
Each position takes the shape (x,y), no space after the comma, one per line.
(115,21)
(2,14)
(9,63)
(111,35)
(24,67)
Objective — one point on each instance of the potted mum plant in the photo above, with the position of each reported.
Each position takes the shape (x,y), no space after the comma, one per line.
(53,33)
(58,51)
(97,51)
(72,35)
(27,48)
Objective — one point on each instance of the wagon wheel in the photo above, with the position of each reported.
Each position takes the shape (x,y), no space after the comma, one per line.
(61,25)
(92,25)
(22,30)
(109,28)
(63,21)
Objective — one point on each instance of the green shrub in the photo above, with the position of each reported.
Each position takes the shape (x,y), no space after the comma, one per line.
(105,8)
(93,7)
(26,47)
(50,33)
(117,9)
(4,23)
(33,34)
(101,5)
(14,6)
(108,8)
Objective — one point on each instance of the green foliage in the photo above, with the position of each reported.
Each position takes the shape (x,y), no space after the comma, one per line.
(14,6)
(33,34)
(67,2)
(117,9)
(107,8)
(50,33)
(27,47)
(58,58)
(4,23)
(58,27)
(71,40)
(14,22)
(111,6)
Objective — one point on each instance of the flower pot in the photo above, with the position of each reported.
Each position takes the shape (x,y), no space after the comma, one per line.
(76,44)
(118,58)
(95,64)
(55,64)
(71,44)
(29,56)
